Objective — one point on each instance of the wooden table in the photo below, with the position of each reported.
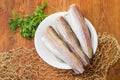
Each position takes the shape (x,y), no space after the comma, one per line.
(104,15)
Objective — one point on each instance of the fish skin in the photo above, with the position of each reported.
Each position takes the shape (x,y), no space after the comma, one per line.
(60,48)
(80,29)
(70,39)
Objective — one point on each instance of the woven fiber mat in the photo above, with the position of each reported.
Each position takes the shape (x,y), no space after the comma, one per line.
(25,64)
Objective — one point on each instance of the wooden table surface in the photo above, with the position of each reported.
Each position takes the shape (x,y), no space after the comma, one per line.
(104,15)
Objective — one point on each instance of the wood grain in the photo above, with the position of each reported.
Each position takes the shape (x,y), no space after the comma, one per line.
(104,15)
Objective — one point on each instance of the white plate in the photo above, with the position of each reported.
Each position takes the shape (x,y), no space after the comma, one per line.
(44,53)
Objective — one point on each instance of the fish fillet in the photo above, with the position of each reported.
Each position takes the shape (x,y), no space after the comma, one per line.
(57,46)
(80,29)
(69,37)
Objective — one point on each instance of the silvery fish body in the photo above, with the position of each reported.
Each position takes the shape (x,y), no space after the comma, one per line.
(59,49)
(80,28)
(65,32)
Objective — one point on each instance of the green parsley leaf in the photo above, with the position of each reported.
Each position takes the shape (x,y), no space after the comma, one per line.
(30,23)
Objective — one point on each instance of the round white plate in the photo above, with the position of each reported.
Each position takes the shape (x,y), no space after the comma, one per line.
(44,53)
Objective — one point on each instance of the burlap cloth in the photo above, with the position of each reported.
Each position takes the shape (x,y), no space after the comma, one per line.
(25,64)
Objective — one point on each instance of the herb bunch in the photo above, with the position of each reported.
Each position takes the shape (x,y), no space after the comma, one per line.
(28,24)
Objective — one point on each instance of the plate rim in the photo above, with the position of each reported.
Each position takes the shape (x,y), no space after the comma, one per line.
(64,66)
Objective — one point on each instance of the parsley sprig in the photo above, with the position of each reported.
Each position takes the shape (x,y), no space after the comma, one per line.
(28,24)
